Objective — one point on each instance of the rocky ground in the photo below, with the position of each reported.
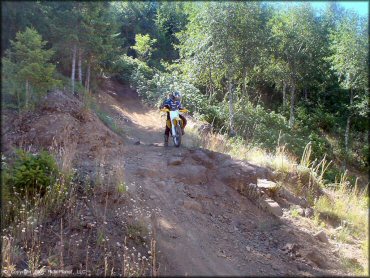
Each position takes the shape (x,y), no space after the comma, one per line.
(208,213)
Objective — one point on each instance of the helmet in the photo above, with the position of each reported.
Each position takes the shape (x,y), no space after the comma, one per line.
(175,95)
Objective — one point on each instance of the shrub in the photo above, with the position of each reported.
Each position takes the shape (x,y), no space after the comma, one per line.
(126,67)
(31,173)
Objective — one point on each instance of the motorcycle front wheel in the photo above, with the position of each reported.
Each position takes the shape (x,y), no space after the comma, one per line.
(177,136)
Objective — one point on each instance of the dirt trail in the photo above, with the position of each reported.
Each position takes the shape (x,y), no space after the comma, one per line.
(206,214)
(205,226)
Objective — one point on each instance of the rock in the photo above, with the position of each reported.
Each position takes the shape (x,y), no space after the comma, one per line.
(236,174)
(290,248)
(284,193)
(271,206)
(248,249)
(317,258)
(308,212)
(266,184)
(190,174)
(202,158)
(175,161)
(193,205)
(268,256)
(321,236)
(137,143)
(152,197)
(205,128)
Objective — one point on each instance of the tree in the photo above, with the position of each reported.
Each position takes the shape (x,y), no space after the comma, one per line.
(29,67)
(143,46)
(349,59)
(294,34)
(170,19)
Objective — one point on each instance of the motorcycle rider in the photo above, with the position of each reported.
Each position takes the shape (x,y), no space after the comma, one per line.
(172,102)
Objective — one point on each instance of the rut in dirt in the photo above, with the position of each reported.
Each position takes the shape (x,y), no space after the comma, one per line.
(210,221)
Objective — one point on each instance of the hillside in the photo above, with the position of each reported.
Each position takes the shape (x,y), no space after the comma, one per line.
(198,207)
(271,177)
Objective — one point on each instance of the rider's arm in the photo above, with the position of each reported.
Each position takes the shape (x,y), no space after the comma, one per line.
(164,104)
(179,106)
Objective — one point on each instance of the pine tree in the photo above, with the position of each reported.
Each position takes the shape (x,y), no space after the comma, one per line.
(29,68)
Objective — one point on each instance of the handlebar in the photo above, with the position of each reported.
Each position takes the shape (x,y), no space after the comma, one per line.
(168,110)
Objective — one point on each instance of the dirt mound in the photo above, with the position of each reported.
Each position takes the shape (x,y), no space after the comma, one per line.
(62,124)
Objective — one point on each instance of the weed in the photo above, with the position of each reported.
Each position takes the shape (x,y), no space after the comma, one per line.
(294,212)
(352,266)
(100,238)
(137,231)
(121,187)
(344,235)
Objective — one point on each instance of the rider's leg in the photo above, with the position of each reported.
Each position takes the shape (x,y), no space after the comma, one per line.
(184,122)
(167,131)
(166,135)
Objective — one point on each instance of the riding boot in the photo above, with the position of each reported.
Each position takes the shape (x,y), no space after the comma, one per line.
(166,140)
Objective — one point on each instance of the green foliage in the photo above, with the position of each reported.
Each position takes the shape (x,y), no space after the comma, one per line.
(143,46)
(27,62)
(126,67)
(121,187)
(31,173)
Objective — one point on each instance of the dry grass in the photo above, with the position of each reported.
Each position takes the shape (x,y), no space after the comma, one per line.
(341,201)
(75,226)
(348,204)
(280,161)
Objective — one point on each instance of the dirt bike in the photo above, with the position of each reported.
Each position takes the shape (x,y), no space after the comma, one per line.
(175,124)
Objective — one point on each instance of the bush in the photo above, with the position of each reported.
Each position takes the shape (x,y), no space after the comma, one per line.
(258,124)
(31,173)
(125,67)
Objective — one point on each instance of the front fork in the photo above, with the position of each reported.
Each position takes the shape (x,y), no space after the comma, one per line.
(173,125)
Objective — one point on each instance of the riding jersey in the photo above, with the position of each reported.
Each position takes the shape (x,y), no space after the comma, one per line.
(172,104)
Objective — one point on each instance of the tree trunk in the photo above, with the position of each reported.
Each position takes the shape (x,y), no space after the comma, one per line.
(305,94)
(74,50)
(244,89)
(284,94)
(18,99)
(209,91)
(27,93)
(87,80)
(346,135)
(291,119)
(80,65)
(231,108)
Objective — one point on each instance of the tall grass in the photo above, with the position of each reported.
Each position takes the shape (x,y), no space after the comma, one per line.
(348,204)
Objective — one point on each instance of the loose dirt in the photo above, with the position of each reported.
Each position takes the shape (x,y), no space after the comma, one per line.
(205,226)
